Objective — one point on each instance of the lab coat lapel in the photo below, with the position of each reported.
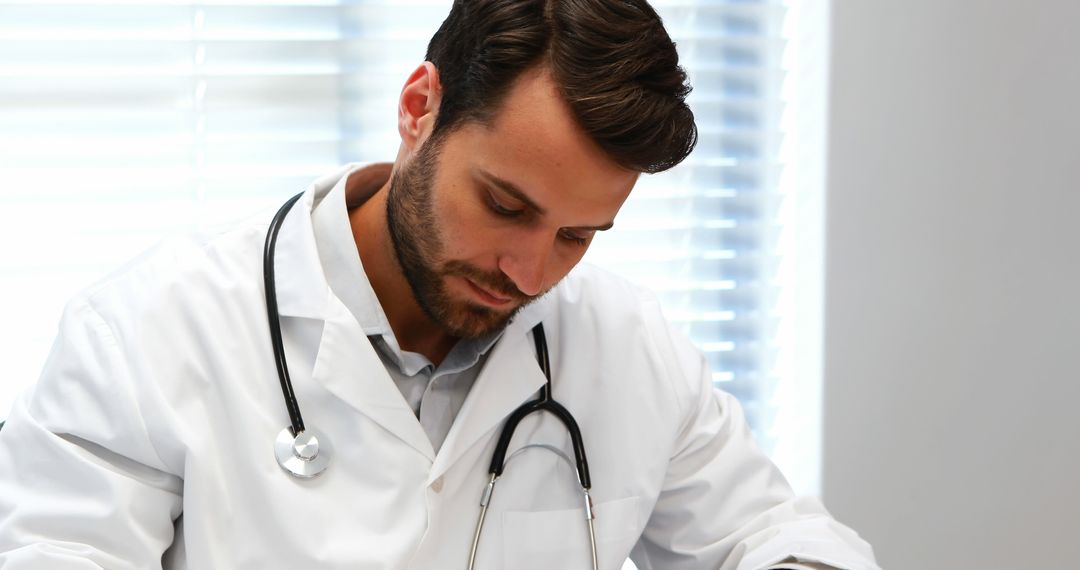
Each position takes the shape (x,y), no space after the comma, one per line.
(348,366)
(510,377)
(298,275)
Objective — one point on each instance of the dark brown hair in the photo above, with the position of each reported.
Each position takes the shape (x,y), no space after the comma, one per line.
(612,60)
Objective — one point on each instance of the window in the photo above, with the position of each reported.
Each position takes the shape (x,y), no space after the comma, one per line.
(124,121)
(731,239)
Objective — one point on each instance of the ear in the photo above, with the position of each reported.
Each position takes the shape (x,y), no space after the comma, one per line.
(419,105)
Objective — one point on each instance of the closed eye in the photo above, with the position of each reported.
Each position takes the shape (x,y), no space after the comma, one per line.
(502,210)
(574,237)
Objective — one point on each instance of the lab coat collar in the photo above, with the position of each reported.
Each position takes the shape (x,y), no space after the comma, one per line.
(348,366)
(302,290)
(340,259)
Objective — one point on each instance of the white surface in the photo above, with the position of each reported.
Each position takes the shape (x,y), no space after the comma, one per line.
(952,319)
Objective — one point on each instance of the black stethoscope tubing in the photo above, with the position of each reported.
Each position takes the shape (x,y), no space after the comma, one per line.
(295,418)
(498,460)
(544,403)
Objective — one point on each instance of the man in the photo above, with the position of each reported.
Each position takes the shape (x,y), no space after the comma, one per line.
(408,296)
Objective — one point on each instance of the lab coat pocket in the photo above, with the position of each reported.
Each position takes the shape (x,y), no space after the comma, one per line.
(560,539)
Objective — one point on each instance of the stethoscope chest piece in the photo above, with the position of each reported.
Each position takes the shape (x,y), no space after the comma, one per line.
(304,455)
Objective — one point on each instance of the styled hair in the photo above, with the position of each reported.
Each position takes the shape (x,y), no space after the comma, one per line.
(612,61)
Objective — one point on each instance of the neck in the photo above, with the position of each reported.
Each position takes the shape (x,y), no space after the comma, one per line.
(414,330)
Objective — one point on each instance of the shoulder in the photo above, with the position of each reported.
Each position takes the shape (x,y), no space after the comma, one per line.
(595,299)
(625,322)
(196,271)
(604,297)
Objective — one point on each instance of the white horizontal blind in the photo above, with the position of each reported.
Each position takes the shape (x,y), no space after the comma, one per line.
(124,121)
(703,236)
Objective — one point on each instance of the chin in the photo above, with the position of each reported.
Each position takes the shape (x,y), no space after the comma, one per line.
(474,321)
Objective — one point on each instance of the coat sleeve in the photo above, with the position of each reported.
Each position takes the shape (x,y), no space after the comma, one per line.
(724,504)
(81,483)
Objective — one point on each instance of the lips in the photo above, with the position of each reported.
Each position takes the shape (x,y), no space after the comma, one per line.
(486,296)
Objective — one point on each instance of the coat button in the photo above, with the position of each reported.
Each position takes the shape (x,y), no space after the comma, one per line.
(436,485)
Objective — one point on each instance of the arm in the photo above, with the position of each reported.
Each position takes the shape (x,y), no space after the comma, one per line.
(724,504)
(81,483)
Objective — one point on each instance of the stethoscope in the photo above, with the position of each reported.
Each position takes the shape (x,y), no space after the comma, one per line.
(305,452)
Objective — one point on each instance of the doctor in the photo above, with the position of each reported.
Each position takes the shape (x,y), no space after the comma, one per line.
(408,295)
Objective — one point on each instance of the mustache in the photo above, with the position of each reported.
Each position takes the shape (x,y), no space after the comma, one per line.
(495,281)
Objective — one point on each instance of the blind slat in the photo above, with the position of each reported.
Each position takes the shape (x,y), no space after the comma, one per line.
(229,106)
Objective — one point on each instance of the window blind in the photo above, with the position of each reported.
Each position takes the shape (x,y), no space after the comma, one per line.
(703,235)
(122,122)
(125,121)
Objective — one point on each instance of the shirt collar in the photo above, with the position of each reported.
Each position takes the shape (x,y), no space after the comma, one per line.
(340,260)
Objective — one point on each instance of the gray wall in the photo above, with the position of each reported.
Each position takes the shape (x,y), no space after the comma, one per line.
(952,358)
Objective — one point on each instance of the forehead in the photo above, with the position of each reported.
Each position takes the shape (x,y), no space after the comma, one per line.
(534,142)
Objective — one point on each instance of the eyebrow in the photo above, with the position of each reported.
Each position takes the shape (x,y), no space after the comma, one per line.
(516,193)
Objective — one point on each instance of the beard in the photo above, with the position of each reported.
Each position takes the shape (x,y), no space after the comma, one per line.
(416,234)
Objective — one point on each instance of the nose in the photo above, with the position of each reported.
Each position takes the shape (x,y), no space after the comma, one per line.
(526,262)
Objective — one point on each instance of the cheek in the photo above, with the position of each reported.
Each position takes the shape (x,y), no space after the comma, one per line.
(465,232)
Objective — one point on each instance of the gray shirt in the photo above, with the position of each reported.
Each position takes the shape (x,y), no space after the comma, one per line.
(435,394)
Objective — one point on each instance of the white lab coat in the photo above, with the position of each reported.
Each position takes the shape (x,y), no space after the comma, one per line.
(151,431)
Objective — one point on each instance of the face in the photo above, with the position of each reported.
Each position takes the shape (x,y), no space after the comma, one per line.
(487,218)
